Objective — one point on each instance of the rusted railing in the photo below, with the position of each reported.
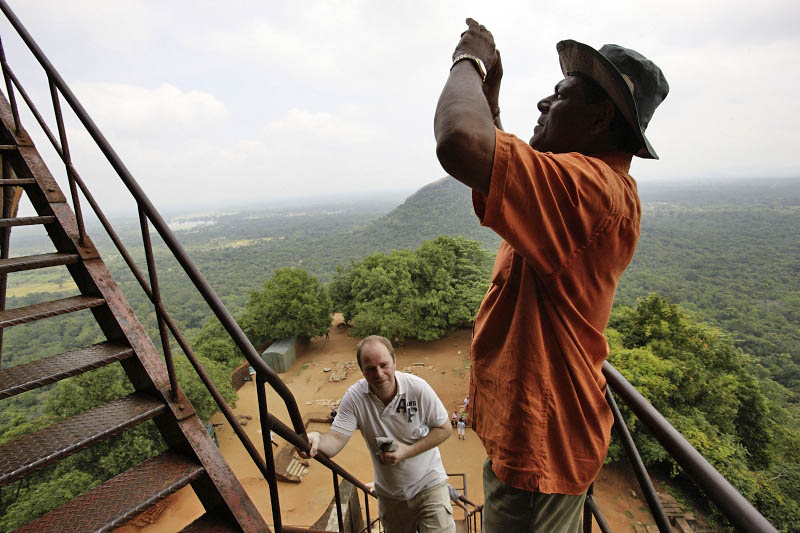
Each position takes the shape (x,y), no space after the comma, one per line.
(149,215)
(730,502)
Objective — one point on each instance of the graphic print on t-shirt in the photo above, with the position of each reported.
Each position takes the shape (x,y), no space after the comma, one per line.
(410,408)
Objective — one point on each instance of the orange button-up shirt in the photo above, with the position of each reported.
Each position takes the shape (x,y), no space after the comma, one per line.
(569,224)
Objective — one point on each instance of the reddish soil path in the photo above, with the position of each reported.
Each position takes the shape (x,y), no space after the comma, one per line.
(443,363)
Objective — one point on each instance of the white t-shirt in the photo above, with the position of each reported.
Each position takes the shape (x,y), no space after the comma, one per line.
(414,404)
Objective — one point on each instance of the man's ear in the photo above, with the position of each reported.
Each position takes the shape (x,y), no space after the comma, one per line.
(604,116)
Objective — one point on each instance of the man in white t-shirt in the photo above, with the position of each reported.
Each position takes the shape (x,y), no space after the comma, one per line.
(403,411)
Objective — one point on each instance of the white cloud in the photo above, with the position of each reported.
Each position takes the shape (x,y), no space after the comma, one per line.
(289,98)
(320,126)
(137,110)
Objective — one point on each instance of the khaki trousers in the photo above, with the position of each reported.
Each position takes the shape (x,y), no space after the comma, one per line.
(510,510)
(427,512)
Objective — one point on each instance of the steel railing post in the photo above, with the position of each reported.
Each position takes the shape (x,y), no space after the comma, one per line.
(10,89)
(62,133)
(266,437)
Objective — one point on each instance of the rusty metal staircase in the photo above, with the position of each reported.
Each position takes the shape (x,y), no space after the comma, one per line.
(191,458)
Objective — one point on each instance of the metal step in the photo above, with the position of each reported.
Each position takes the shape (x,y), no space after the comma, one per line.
(36,450)
(25,221)
(121,498)
(209,523)
(32,262)
(21,315)
(18,182)
(36,374)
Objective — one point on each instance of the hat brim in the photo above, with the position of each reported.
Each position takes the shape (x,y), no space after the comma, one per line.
(581,58)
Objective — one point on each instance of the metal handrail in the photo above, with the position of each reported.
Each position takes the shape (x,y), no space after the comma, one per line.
(732,504)
(147,212)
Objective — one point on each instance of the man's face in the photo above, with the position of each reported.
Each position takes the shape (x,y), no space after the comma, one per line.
(566,119)
(378,368)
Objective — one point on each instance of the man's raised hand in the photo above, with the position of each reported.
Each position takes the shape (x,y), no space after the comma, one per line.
(479,42)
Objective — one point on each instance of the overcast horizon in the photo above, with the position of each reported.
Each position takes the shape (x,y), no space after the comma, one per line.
(258,101)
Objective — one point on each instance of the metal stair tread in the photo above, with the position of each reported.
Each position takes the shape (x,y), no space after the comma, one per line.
(122,497)
(17,182)
(36,450)
(26,221)
(21,315)
(210,524)
(35,374)
(31,262)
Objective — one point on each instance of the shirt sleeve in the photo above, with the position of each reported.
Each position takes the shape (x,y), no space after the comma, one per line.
(346,421)
(454,495)
(546,206)
(435,413)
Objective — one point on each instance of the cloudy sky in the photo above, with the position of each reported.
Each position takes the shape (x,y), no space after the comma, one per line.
(255,101)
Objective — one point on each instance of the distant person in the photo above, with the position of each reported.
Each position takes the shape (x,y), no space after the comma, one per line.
(462,501)
(402,422)
(569,216)
(454,418)
(461,426)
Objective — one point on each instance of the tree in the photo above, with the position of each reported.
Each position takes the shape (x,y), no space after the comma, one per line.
(416,294)
(705,386)
(292,302)
(213,342)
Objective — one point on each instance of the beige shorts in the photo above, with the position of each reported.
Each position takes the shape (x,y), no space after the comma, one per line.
(427,512)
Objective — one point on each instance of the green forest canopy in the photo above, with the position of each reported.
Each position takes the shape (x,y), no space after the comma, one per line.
(727,256)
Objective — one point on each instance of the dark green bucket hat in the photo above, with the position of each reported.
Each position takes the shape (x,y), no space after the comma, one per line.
(634,83)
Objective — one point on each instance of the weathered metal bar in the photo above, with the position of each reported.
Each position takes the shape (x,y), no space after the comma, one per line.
(113,235)
(5,237)
(161,226)
(639,469)
(156,297)
(602,523)
(9,88)
(266,437)
(587,513)
(338,499)
(366,509)
(215,394)
(35,111)
(301,443)
(65,155)
(732,504)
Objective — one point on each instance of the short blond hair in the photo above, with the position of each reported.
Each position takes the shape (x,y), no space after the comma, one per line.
(374,338)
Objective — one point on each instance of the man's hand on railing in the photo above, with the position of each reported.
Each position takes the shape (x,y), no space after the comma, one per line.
(313,441)
(329,443)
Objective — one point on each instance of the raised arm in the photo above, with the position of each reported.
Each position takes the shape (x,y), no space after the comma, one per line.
(464,124)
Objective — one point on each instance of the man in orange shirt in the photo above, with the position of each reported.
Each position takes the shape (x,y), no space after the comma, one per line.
(569,215)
